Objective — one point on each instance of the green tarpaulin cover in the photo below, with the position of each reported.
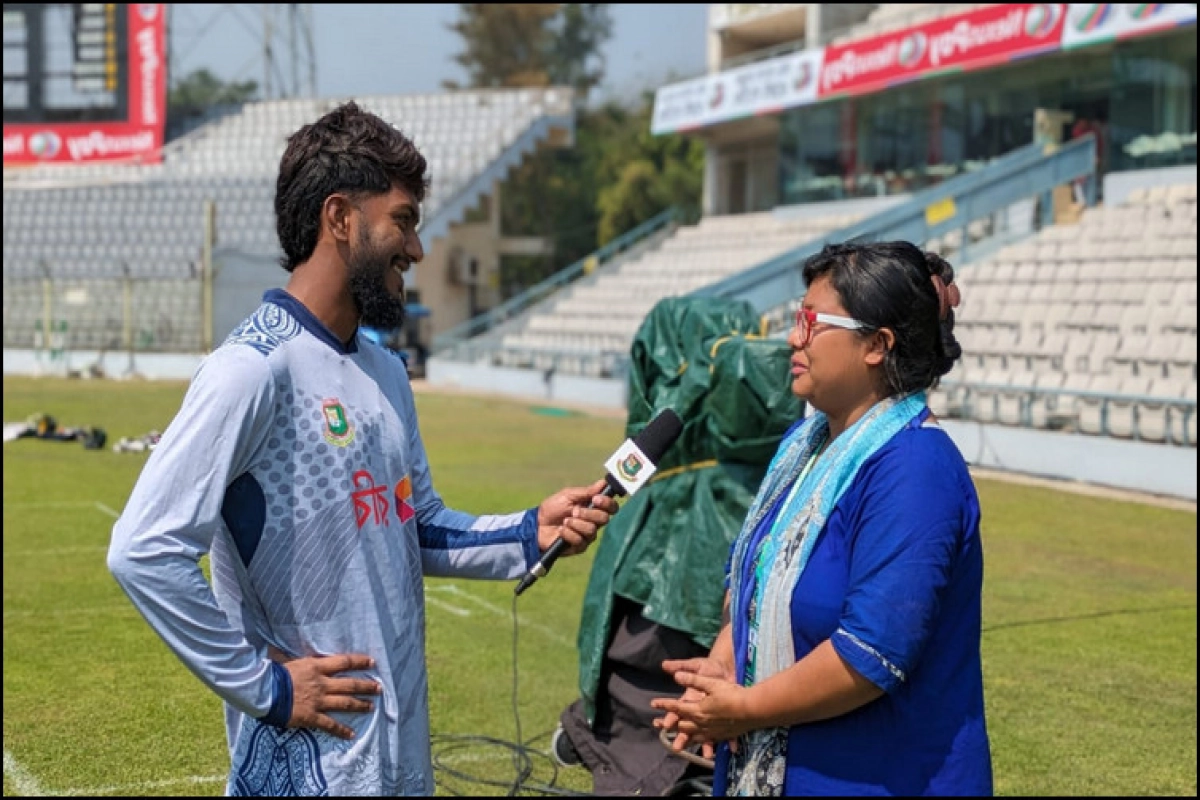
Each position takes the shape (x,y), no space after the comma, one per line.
(706,359)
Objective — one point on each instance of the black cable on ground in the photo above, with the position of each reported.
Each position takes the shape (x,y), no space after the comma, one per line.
(522,752)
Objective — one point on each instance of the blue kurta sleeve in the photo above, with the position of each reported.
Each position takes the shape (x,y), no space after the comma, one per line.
(911,520)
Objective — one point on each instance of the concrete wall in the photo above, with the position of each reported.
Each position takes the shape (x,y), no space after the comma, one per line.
(1160,469)
(1165,470)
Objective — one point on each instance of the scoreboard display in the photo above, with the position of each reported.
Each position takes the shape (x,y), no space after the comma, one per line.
(83,81)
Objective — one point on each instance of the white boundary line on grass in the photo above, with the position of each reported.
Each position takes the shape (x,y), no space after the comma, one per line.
(129,789)
(451,588)
(96,504)
(107,510)
(433,601)
(22,779)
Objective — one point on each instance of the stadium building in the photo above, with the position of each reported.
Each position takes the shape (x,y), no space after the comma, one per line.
(807,103)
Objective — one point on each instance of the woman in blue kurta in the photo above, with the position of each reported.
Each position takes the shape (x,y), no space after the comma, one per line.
(849,663)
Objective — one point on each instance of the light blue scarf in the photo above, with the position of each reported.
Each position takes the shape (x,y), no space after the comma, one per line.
(789,544)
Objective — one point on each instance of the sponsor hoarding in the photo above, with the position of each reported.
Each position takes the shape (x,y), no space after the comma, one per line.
(138,137)
(990,35)
(1091,23)
(983,37)
(766,87)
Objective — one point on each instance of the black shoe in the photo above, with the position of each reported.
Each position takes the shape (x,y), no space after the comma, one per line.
(565,754)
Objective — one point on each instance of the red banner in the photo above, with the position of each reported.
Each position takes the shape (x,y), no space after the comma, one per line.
(976,39)
(138,139)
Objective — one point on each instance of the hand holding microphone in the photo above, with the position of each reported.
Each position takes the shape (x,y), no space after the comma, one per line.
(629,468)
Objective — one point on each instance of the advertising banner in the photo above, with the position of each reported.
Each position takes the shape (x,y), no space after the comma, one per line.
(135,138)
(766,87)
(977,39)
(1090,23)
(983,37)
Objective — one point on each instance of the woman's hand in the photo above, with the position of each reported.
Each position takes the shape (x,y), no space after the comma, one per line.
(685,714)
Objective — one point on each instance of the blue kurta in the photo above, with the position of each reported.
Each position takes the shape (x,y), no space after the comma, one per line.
(895,581)
(297,461)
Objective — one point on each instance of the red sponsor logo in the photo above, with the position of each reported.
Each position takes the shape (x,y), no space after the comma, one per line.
(403,494)
(370,501)
(987,35)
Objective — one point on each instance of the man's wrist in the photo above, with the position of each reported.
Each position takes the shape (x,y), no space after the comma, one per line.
(280,712)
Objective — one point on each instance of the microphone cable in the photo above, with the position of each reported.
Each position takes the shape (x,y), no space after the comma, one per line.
(522,752)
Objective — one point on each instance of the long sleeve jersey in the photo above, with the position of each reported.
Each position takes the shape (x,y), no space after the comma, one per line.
(296,462)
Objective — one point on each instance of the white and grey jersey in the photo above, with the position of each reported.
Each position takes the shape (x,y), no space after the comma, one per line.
(296,461)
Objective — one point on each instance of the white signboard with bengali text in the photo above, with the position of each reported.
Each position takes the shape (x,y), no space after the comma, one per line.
(765,87)
(1088,23)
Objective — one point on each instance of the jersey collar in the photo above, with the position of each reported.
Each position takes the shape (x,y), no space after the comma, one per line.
(309,322)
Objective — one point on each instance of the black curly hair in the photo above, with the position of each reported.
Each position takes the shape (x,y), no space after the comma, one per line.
(347,150)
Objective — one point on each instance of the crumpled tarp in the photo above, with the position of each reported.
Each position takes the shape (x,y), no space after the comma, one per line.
(667,549)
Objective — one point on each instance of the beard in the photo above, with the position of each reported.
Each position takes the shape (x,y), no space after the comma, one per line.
(377,307)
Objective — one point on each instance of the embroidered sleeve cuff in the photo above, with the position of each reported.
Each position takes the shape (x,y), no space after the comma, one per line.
(868,661)
(529,539)
(281,704)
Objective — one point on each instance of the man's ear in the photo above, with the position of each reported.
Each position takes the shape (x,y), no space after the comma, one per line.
(335,217)
(881,342)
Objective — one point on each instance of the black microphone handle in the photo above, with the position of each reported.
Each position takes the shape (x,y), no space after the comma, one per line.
(556,547)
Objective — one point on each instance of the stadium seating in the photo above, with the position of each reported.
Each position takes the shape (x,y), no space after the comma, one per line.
(1088,326)
(598,317)
(77,238)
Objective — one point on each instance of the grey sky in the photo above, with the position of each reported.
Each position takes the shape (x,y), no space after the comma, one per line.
(407,49)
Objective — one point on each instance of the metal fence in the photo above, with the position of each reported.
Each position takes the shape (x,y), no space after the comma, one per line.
(59,311)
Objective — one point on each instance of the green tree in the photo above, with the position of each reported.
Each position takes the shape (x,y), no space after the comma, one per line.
(202,90)
(632,199)
(576,58)
(532,44)
(640,175)
(616,175)
(507,44)
(194,98)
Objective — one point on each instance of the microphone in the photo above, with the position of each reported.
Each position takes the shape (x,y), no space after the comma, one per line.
(628,470)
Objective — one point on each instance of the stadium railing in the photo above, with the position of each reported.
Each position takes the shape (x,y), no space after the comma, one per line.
(1033,171)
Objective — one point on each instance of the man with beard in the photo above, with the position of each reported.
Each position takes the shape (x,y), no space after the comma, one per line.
(297,463)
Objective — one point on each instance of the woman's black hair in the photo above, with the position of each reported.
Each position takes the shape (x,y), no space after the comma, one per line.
(892,285)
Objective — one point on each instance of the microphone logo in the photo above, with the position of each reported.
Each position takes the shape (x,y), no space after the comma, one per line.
(630,467)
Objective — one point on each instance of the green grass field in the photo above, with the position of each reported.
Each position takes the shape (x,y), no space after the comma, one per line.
(1089,619)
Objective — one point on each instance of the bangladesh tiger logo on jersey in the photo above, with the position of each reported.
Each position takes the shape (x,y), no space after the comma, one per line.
(338,430)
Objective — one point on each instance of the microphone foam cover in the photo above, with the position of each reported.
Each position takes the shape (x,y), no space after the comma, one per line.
(658,436)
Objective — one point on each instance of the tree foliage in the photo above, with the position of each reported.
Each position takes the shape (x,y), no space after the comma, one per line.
(616,176)
(196,97)
(513,45)
(201,90)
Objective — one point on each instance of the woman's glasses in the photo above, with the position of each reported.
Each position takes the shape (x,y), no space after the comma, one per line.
(807,320)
